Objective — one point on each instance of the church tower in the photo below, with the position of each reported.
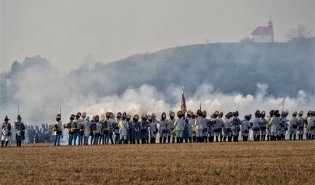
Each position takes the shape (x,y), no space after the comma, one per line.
(270,26)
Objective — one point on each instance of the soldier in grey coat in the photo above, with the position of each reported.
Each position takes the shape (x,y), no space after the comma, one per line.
(293,126)
(301,124)
(144,129)
(5,132)
(136,133)
(19,130)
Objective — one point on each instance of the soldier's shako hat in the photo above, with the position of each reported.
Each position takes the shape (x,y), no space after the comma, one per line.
(72,116)
(6,118)
(144,116)
(230,114)
(227,115)
(149,117)
(257,113)
(58,116)
(247,117)
(124,115)
(180,113)
(96,118)
(272,112)
(172,113)
(301,113)
(284,113)
(19,117)
(216,113)
(235,113)
(163,115)
(136,116)
(153,115)
(189,112)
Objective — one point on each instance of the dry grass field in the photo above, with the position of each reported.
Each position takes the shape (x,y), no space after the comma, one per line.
(216,163)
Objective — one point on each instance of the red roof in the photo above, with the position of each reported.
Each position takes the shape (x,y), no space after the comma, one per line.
(262,30)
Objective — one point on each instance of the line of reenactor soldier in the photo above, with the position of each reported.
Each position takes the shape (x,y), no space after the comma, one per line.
(181,127)
(185,127)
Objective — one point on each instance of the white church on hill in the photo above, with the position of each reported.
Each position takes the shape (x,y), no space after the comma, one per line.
(263,34)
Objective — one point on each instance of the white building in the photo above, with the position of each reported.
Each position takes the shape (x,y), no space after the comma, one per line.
(263,34)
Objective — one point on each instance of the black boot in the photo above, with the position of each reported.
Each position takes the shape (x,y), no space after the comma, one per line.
(294,136)
(2,143)
(217,138)
(234,139)
(6,143)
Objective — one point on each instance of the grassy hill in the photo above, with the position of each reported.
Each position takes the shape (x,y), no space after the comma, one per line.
(229,67)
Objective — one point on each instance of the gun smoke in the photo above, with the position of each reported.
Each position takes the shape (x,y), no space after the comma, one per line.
(245,79)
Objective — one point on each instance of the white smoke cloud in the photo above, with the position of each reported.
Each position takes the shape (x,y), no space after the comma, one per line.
(147,98)
(41,91)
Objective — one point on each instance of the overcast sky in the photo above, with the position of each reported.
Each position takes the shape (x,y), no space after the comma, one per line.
(67,32)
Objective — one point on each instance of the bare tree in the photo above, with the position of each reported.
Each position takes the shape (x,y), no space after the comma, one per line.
(300,31)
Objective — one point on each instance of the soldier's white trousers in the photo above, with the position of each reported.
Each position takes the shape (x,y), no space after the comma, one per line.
(179,133)
(5,138)
(199,133)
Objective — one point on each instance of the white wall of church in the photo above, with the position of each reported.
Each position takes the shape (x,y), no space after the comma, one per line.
(262,38)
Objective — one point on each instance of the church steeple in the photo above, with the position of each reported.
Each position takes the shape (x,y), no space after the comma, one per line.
(270,23)
(270,26)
